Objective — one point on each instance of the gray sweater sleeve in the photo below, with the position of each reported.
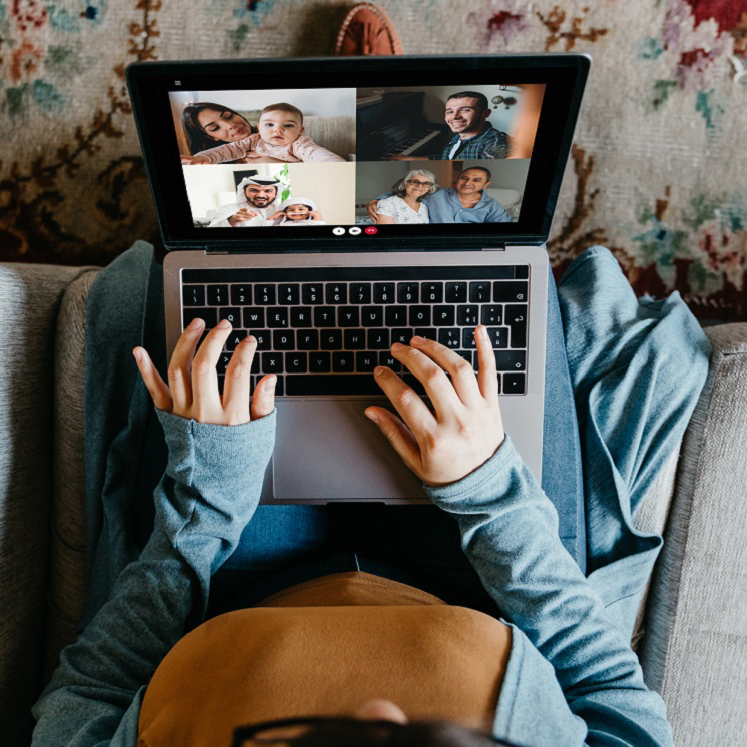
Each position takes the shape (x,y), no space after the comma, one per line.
(509,532)
(206,497)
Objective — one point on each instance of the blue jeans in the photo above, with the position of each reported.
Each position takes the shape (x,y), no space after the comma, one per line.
(418,545)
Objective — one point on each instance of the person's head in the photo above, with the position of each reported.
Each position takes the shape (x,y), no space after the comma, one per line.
(257,191)
(472,181)
(297,208)
(416,184)
(466,112)
(376,724)
(207,125)
(280,124)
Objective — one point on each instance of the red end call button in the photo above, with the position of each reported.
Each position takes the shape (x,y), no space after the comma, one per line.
(371,229)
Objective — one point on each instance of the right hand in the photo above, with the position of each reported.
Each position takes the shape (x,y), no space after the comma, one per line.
(193,384)
(371,206)
(194,160)
(245,214)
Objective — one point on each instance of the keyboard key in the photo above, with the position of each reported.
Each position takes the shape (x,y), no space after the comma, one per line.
(232,314)
(330,339)
(428,332)
(383,292)
(456,292)
(308,339)
(255,364)
(522,271)
(491,314)
(217,295)
(360,293)
(372,316)
(366,361)
(510,291)
(284,339)
(272,363)
(348,316)
(254,317)
(443,316)
(311,293)
(295,362)
(387,359)
(235,338)
(378,339)
(449,336)
(337,293)
(402,336)
(467,316)
(264,295)
(510,360)
(468,356)
(395,316)
(408,293)
(355,339)
(264,338)
(343,361)
(289,293)
(300,317)
(420,315)
(330,384)
(277,316)
(325,316)
(468,339)
(320,361)
(241,295)
(514,383)
(479,291)
(498,336)
(223,360)
(209,316)
(193,295)
(413,383)
(432,292)
(516,318)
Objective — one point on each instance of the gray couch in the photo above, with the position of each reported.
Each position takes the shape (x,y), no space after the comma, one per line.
(693,638)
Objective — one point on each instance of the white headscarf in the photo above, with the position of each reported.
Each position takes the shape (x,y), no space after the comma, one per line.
(298,201)
(259,182)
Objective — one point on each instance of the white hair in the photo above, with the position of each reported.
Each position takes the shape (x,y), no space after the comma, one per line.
(399,187)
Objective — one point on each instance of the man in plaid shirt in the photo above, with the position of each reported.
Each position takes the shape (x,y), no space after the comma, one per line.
(474,137)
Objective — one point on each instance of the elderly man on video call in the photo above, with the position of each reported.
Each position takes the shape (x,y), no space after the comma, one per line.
(257,199)
(465,203)
(466,114)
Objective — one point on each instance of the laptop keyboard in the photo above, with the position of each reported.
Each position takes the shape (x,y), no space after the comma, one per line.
(322,331)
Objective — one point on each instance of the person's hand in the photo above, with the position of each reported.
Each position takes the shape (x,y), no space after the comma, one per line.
(315,215)
(371,207)
(194,160)
(244,214)
(465,428)
(193,384)
(277,215)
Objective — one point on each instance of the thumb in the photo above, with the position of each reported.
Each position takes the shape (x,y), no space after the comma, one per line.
(263,398)
(398,435)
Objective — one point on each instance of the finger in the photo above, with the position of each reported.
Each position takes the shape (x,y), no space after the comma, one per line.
(460,370)
(205,395)
(438,388)
(263,399)
(159,392)
(418,418)
(399,436)
(487,377)
(238,382)
(181,365)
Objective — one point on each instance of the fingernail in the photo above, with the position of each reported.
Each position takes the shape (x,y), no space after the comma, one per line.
(272,382)
(417,340)
(484,332)
(138,355)
(397,346)
(195,323)
(372,416)
(224,324)
(378,370)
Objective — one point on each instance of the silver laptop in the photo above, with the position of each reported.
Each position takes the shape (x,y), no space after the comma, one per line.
(332,207)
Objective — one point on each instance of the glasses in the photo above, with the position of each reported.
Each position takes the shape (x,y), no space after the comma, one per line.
(416,183)
(280,732)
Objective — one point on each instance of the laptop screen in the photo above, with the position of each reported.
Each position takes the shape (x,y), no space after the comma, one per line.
(476,154)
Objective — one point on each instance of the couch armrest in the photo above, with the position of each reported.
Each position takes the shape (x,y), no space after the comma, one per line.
(695,648)
(29,300)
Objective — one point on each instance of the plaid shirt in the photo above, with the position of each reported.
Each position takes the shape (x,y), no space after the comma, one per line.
(490,143)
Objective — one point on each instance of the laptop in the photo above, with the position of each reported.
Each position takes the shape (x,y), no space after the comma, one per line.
(334,206)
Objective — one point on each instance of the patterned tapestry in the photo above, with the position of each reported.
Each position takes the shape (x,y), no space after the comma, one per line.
(657,173)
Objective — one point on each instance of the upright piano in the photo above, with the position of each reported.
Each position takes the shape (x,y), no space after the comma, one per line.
(394,124)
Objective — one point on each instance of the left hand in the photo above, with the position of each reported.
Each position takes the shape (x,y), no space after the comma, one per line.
(465,429)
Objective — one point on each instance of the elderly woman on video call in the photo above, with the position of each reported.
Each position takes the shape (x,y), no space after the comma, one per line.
(406,204)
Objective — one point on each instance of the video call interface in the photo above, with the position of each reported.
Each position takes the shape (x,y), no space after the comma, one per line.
(356,160)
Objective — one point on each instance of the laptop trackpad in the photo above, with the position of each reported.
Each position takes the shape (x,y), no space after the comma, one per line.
(329,450)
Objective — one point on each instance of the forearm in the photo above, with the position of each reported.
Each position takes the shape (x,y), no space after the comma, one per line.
(226,152)
(509,532)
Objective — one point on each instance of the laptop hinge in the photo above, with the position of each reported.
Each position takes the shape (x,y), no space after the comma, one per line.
(493,249)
